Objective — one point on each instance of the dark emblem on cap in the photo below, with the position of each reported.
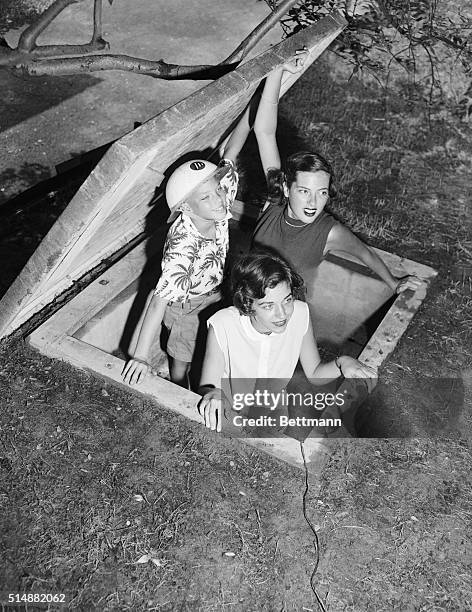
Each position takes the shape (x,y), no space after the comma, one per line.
(197,165)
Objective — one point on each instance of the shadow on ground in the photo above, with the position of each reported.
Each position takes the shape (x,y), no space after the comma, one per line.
(26,175)
(23,98)
(407,405)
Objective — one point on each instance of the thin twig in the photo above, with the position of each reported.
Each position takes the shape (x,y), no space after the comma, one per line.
(95,63)
(97,21)
(28,38)
(259,31)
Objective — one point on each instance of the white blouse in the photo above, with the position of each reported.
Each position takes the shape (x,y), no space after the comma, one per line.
(250,354)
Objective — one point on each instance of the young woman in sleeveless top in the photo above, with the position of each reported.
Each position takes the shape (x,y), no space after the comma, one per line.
(293,221)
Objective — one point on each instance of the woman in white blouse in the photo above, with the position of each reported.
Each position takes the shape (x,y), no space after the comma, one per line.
(264,335)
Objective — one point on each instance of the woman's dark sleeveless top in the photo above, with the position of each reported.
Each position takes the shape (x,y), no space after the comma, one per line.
(302,246)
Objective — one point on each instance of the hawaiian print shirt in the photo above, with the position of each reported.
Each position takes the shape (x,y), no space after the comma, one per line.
(193,265)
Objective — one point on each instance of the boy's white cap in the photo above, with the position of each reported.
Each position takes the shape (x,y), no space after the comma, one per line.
(184,180)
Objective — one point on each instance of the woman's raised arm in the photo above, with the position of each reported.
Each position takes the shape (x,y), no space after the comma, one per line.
(265,125)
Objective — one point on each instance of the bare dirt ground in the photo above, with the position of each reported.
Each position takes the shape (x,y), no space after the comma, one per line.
(123,506)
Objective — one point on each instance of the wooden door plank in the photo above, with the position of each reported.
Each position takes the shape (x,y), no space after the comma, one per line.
(181,401)
(188,125)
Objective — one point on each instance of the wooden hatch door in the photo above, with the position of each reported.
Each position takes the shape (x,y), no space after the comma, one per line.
(110,209)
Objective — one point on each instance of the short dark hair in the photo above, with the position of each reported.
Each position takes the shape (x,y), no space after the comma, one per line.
(258,271)
(303,161)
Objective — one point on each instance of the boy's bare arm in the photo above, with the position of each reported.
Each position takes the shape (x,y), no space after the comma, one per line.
(238,137)
(137,367)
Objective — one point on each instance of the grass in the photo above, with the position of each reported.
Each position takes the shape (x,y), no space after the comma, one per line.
(113,502)
(123,506)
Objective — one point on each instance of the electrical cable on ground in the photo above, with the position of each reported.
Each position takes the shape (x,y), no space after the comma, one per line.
(316,543)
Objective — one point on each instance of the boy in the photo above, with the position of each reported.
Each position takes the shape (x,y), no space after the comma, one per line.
(199,195)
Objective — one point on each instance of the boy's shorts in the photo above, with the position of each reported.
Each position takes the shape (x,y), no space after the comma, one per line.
(183,319)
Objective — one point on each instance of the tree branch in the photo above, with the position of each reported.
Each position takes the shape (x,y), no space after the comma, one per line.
(28,38)
(97,21)
(12,57)
(58,50)
(259,31)
(30,59)
(94,63)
